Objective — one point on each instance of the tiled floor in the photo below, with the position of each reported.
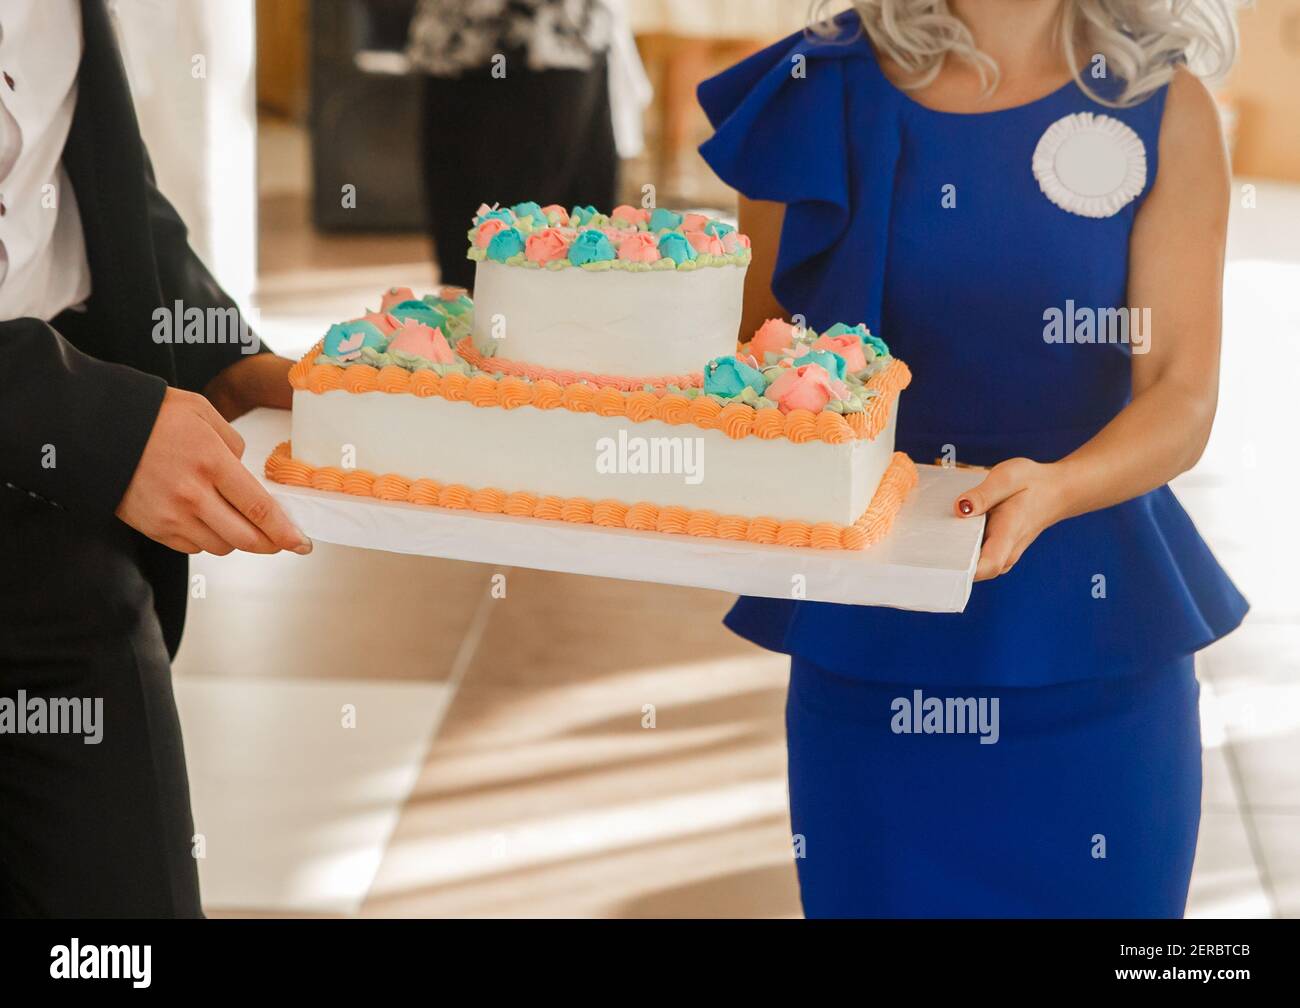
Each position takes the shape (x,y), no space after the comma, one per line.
(277,832)
(605,748)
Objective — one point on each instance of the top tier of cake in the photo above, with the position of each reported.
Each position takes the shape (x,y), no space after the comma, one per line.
(633,293)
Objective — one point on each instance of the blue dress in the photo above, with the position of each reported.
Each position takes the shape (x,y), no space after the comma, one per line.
(932,228)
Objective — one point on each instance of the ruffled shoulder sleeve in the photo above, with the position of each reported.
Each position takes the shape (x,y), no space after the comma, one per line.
(806,123)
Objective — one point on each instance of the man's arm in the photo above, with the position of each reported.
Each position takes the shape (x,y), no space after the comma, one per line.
(183,277)
(236,376)
(72,428)
(101,439)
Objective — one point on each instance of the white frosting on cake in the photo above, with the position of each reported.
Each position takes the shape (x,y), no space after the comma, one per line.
(615,322)
(555,452)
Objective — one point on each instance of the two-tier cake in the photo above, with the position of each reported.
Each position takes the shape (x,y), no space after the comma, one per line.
(595,379)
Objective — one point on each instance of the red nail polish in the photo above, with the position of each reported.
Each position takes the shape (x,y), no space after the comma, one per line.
(965,506)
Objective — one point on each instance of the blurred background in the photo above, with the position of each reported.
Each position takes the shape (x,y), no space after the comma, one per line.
(500,762)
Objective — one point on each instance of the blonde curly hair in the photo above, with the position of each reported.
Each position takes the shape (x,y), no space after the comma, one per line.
(1142,40)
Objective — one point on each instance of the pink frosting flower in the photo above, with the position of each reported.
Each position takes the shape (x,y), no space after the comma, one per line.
(555,214)
(642,247)
(381,320)
(694,222)
(807,386)
(847,346)
(750,360)
(422,341)
(630,215)
(775,335)
(702,242)
(487,230)
(395,295)
(733,240)
(547,245)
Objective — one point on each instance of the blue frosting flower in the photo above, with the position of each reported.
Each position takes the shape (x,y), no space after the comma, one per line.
(863,333)
(590,246)
(832,362)
(661,220)
(502,215)
(581,215)
(718,228)
(504,244)
(528,209)
(418,311)
(674,246)
(727,376)
(345,339)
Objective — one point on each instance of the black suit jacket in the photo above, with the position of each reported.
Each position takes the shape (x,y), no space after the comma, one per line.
(93,391)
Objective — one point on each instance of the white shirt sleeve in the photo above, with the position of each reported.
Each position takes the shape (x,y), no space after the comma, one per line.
(43,267)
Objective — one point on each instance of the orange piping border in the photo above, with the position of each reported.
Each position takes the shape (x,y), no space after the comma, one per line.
(736,420)
(899,479)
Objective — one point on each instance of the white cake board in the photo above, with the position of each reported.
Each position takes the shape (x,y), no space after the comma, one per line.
(926,563)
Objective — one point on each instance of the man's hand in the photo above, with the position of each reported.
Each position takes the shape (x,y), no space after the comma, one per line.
(259,380)
(191,492)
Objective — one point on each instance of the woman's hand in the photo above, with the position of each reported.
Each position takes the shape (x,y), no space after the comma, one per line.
(259,380)
(1021,498)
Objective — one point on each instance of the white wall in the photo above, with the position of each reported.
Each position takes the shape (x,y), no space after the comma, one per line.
(191,68)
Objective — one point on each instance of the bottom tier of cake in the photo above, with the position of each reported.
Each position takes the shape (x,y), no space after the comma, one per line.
(585,454)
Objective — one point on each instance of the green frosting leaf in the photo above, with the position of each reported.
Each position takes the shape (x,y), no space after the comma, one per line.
(456,327)
(401,359)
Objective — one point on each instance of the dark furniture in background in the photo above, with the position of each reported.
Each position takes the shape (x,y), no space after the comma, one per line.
(364,117)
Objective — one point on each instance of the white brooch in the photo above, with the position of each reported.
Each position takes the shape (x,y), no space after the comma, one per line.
(1091,165)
